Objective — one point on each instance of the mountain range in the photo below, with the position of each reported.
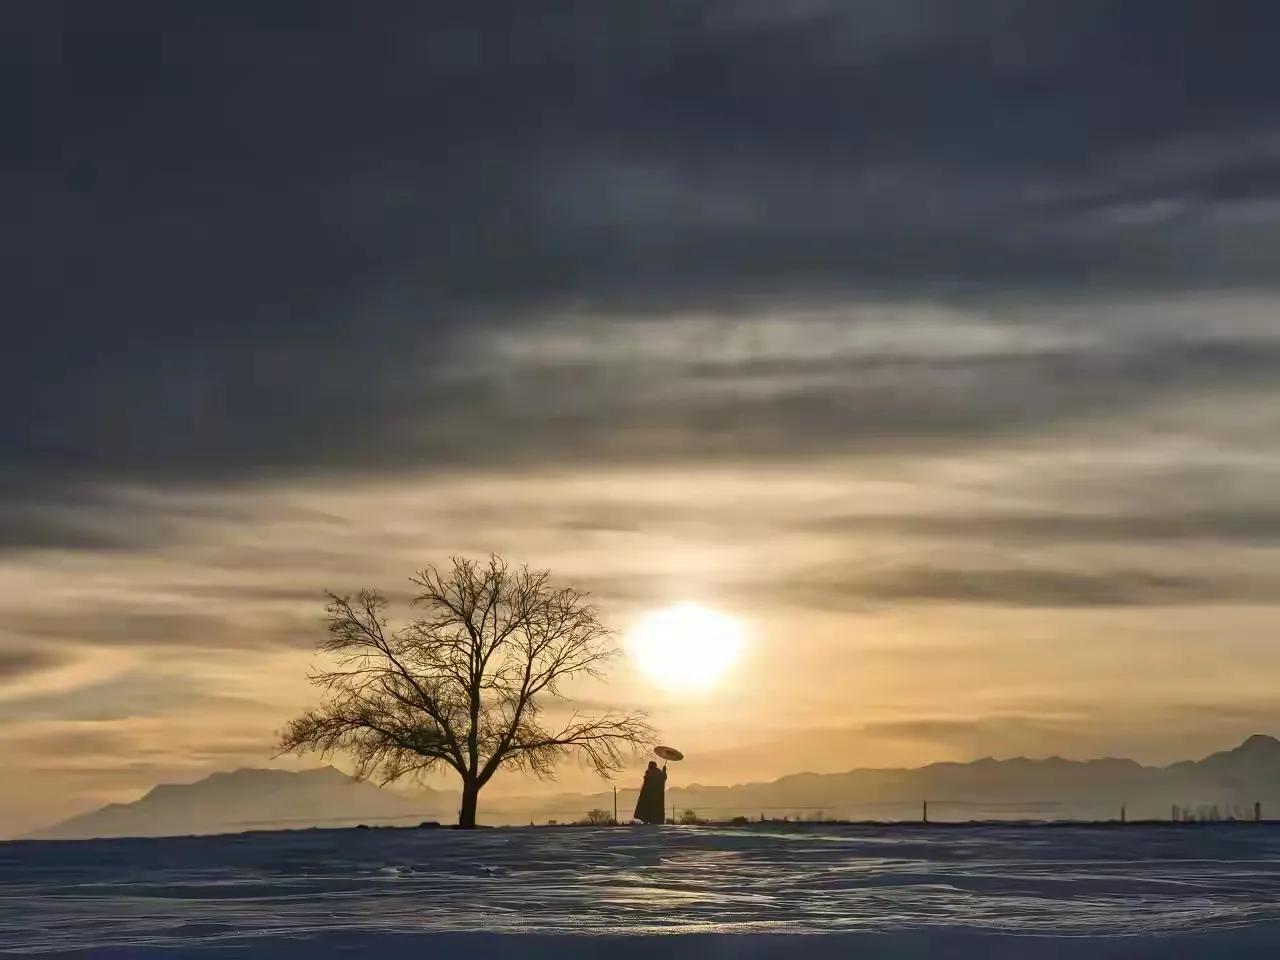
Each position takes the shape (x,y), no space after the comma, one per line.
(1018,788)
(250,799)
(1054,788)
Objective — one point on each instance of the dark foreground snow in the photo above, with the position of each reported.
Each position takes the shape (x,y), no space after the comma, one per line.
(750,892)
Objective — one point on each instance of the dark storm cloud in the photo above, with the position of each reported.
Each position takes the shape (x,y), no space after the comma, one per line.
(888,402)
(82,742)
(123,697)
(25,527)
(16,664)
(1258,526)
(1059,588)
(68,518)
(123,626)
(249,238)
(61,514)
(865,589)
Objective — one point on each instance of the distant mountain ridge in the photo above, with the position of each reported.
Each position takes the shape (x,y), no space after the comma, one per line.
(1052,788)
(251,799)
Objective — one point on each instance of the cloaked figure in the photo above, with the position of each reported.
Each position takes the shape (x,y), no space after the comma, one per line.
(651,807)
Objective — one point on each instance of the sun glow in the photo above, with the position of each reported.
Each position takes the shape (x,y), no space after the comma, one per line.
(685,647)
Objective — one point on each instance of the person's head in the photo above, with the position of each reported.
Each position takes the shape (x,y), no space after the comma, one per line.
(653,764)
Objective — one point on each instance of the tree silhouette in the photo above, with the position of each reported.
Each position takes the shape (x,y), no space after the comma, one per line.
(465,685)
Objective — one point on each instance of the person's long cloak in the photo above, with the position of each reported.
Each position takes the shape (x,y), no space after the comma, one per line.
(651,807)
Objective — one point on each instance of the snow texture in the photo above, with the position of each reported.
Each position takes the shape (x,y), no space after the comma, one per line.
(991,891)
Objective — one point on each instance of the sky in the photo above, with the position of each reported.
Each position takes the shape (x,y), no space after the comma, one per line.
(937,343)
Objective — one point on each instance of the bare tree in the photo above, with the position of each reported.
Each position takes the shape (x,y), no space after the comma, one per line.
(466,684)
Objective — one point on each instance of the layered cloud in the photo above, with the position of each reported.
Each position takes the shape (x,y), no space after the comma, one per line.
(248,240)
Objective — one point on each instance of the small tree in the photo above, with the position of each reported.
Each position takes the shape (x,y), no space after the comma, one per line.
(599,818)
(465,685)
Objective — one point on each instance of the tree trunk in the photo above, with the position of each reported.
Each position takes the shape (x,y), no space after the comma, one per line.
(467,813)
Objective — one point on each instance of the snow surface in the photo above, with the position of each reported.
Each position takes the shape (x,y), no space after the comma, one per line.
(992,891)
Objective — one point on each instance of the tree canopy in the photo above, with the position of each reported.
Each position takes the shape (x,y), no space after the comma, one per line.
(466,684)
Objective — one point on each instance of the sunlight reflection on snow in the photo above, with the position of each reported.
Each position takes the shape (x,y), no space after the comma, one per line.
(1050,881)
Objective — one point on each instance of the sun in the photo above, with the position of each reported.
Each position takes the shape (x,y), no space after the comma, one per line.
(685,647)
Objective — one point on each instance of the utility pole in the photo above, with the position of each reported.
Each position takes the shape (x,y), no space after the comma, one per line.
(1124,811)
(1257,811)
(924,813)
(615,805)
